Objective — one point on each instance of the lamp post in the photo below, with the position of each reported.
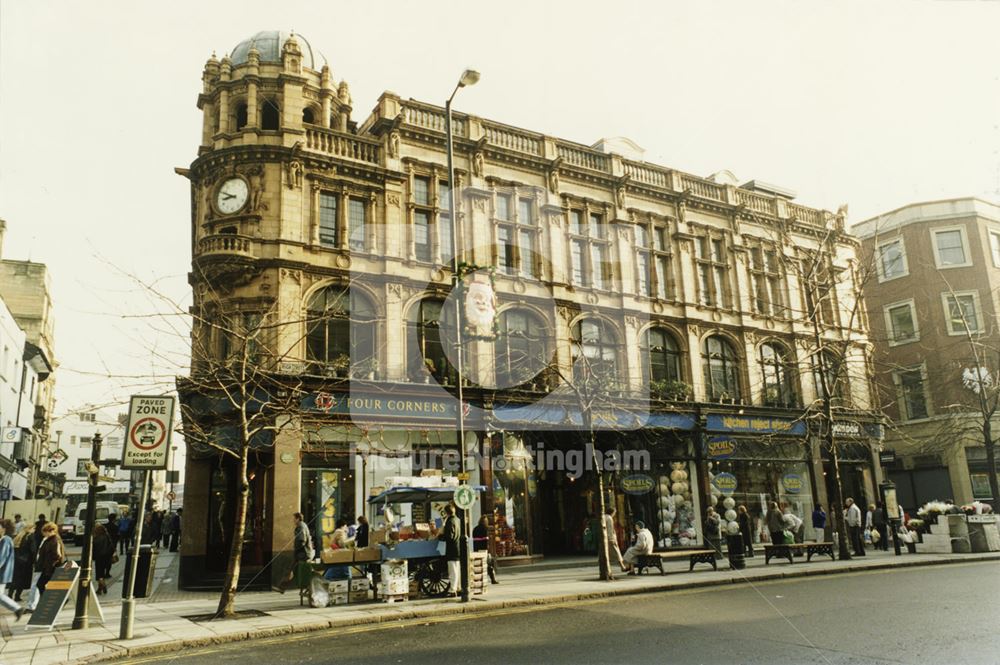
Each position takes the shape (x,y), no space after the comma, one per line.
(81,620)
(469,77)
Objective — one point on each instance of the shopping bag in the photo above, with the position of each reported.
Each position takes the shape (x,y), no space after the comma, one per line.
(789,537)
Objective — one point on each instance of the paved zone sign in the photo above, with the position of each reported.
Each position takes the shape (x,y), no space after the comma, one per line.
(147,442)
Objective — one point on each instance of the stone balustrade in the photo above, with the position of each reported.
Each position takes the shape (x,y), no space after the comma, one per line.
(226,243)
(345,146)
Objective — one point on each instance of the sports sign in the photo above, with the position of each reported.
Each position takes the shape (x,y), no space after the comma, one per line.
(147,442)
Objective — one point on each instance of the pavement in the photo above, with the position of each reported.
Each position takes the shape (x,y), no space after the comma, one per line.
(161,626)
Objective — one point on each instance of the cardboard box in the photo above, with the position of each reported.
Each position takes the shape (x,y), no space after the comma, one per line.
(358,596)
(360,584)
(395,569)
(376,536)
(337,556)
(338,586)
(430,472)
(368,554)
(423,530)
(339,599)
(394,587)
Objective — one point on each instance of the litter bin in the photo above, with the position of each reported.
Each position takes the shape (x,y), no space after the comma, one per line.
(734,548)
(143,573)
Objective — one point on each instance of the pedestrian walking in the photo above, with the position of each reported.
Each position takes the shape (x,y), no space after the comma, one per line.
(19,524)
(175,537)
(361,534)
(112,529)
(156,528)
(167,529)
(25,553)
(880,523)
(302,550)
(745,523)
(481,543)
(775,522)
(39,525)
(852,518)
(450,534)
(7,561)
(51,555)
(104,556)
(614,553)
(643,545)
(124,534)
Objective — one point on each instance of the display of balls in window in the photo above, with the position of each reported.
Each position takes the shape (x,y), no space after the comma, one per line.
(677,466)
(678,475)
(680,488)
(665,515)
(664,501)
(679,501)
(666,527)
(732,528)
(715,499)
(729,502)
(730,515)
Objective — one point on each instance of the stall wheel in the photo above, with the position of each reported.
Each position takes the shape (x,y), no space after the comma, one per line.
(432,578)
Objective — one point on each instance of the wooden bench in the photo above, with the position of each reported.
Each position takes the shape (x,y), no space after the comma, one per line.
(655,559)
(787,550)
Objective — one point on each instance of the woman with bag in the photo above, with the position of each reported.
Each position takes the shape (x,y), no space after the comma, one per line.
(51,555)
(25,552)
(775,524)
(302,551)
(746,529)
(104,555)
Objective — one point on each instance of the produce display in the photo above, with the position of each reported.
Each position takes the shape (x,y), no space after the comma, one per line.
(678,523)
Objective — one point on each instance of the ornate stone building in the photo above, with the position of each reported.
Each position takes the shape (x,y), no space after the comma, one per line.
(330,243)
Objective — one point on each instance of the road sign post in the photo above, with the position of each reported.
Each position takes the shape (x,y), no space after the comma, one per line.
(147,447)
(81,619)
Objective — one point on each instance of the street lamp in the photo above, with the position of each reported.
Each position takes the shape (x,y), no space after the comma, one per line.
(469,77)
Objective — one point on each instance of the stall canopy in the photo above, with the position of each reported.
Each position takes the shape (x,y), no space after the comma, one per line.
(419,494)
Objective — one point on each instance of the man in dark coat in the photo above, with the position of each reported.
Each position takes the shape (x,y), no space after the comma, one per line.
(451,535)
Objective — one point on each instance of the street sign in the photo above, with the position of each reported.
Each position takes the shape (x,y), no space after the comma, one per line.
(887,457)
(147,442)
(171,496)
(5,495)
(57,457)
(11,434)
(464,497)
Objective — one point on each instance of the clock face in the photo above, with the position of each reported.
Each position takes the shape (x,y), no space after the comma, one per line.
(232,196)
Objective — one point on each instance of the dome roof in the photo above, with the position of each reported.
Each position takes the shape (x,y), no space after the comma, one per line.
(269,42)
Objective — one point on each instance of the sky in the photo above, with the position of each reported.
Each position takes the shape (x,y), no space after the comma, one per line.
(872,104)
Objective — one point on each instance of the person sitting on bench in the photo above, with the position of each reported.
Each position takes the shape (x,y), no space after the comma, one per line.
(643,545)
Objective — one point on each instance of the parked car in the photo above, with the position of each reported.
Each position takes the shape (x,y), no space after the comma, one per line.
(68,529)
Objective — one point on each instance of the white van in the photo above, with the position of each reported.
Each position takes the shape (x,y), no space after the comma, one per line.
(104,509)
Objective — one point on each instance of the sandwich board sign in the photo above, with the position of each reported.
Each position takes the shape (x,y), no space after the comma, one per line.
(147,439)
(62,587)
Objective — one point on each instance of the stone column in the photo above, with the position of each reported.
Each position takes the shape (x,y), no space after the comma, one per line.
(284,499)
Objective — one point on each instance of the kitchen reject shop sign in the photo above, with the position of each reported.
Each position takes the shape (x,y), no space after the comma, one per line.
(147,444)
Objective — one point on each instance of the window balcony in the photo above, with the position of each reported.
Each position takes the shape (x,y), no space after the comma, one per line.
(227,244)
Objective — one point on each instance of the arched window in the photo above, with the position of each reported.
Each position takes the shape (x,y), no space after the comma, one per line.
(778,376)
(425,339)
(308,115)
(520,347)
(241,116)
(661,357)
(340,332)
(595,351)
(722,372)
(269,115)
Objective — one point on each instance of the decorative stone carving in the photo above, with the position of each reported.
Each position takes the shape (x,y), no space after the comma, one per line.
(478,163)
(343,261)
(394,144)
(519,287)
(694,329)
(479,204)
(592,298)
(256,177)
(632,321)
(437,275)
(293,173)
(294,275)
(554,181)
(620,194)
(565,313)
(657,307)
(750,336)
(393,199)
(395,289)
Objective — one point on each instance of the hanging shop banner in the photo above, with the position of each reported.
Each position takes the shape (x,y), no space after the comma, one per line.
(147,440)
(792,482)
(718,422)
(637,484)
(721,448)
(725,483)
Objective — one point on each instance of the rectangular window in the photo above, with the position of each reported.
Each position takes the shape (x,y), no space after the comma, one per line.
(446,238)
(526,252)
(505,250)
(422,235)
(578,250)
(653,262)
(642,267)
(596,229)
(357,224)
(950,246)
(901,323)
(503,207)
(663,288)
(892,260)
(912,394)
(962,310)
(600,266)
(422,191)
(328,219)
(995,248)
(444,195)
(576,223)
(712,267)
(524,212)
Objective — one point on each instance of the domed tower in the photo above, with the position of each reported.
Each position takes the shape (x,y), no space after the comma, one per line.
(280,177)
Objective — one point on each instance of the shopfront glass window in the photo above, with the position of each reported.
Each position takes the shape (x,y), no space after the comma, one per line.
(514,489)
(677,519)
(327,494)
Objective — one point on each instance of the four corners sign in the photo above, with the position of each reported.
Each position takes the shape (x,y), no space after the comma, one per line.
(147,441)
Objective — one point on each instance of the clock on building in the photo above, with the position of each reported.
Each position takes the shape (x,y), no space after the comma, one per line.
(232,195)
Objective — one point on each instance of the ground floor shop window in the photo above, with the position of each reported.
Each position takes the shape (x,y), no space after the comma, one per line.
(666,501)
(327,495)
(222,500)
(514,492)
